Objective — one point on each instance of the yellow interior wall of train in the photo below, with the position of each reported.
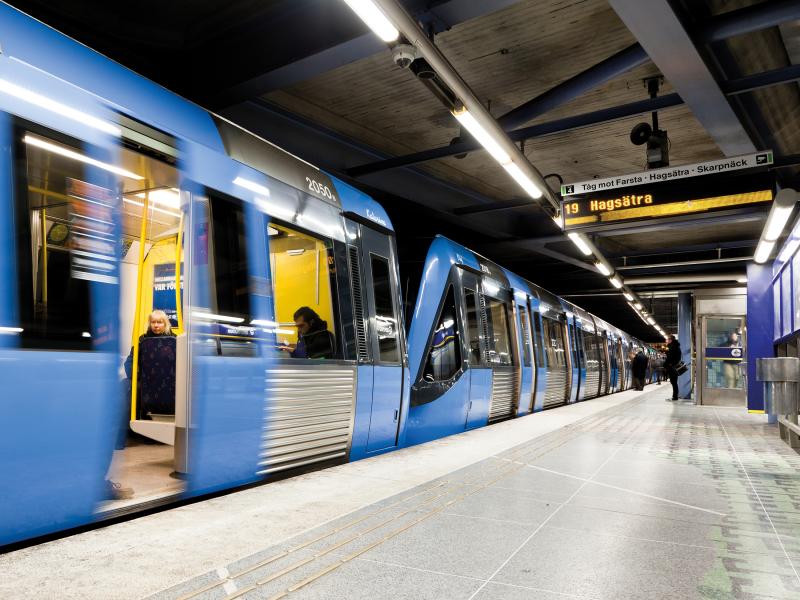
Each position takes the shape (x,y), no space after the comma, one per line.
(162,252)
(299,267)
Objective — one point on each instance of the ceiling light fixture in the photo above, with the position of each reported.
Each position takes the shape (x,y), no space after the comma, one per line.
(615,282)
(578,240)
(374,18)
(763,251)
(67,153)
(628,297)
(602,268)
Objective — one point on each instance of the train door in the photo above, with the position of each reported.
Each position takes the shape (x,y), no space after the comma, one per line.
(501,354)
(528,368)
(480,375)
(61,403)
(383,306)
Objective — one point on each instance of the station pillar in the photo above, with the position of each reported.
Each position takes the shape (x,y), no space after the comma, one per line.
(685,340)
(760,329)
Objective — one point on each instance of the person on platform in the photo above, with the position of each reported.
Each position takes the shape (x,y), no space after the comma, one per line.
(730,368)
(671,362)
(313,338)
(639,369)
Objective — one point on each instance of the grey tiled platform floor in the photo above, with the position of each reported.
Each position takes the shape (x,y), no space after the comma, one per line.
(649,499)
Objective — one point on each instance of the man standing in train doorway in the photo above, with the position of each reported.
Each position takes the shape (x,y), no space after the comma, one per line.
(671,363)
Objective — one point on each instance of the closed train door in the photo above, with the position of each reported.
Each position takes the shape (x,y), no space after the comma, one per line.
(528,369)
(384,324)
(61,402)
(480,382)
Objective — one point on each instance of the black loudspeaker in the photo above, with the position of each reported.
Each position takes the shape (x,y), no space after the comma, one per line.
(641,133)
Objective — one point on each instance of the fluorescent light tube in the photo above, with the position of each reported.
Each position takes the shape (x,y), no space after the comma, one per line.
(615,282)
(58,108)
(638,306)
(651,320)
(67,153)
(580,243)
(9,330)
(777,221)
(484,138)
(628,297)
(602,268)
(788,250)
(213,317)
(168,197)
(741,279)
(523,180)
(251,185)
(763,250)
(374,19)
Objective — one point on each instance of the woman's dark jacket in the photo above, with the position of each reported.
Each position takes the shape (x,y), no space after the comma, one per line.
(317,342)
(673,354)
(129,360)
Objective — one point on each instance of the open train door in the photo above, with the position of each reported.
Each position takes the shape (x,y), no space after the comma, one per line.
(59,268)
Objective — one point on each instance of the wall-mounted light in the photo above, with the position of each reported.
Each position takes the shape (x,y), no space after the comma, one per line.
(782,207)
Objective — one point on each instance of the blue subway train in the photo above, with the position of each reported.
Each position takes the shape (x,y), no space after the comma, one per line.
(120,201)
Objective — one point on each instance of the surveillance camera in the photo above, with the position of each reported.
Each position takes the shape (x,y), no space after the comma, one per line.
(403,55)
(641,133)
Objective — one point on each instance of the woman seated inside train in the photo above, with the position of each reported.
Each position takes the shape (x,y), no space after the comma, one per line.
(156,372)
(313,338)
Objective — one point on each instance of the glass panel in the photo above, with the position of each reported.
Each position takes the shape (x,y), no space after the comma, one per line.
(776,308)
(724,353)
(473,328)
(786,300)
(526,335)
(554,343)
(444,356)
(537,340)
(229,324)
(65,242)
(304,291)
(796,285)
(499,337)
(385,320)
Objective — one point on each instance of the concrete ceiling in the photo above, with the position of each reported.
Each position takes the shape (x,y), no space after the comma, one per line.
(307,75)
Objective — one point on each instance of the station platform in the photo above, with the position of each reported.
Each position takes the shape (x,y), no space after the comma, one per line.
(625,496)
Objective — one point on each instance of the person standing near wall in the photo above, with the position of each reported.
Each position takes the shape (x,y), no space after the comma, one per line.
(671,361)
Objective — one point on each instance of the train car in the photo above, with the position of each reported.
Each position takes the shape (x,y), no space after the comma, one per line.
(486,345)
(120,198)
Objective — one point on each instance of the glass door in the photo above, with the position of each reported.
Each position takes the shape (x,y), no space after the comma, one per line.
(723,354)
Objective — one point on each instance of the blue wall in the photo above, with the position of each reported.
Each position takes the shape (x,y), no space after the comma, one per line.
(760,325)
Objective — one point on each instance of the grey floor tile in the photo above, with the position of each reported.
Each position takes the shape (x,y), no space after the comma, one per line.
(504,504)
(540,482)
(647,527)
(453,544)
(368,580)
(497,591)
(610,567)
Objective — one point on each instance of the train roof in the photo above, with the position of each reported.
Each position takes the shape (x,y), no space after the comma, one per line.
(29,41)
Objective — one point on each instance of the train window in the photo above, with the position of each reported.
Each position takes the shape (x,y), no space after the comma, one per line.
(385,320)
(229,323)
(537,340)
(65,241)
(499,336)
(304,290)
(473,328)
(526,336)
(554,342)
(444,355)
